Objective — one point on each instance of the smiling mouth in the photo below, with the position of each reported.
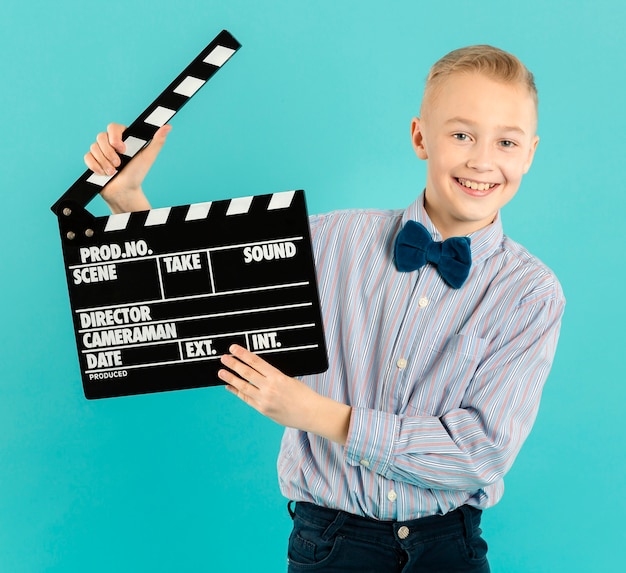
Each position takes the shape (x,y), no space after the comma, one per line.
(475,185)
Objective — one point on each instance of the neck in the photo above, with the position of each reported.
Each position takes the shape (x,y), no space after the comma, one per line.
(448,226)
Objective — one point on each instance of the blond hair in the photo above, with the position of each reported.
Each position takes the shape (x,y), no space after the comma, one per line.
(494,63)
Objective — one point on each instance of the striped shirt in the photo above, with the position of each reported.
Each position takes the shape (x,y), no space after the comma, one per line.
(444,384)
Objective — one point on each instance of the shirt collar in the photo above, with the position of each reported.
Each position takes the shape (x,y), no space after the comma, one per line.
(484,242)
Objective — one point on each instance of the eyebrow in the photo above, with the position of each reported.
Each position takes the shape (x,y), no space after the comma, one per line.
(507,128)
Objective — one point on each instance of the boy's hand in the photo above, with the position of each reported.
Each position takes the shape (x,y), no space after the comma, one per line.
(124,193)
(285,400)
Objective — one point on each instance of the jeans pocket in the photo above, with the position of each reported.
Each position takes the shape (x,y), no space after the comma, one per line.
(474,547)
(308,548)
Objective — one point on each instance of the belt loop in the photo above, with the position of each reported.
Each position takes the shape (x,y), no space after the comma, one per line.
(335,526)
(471,519)
(291,511)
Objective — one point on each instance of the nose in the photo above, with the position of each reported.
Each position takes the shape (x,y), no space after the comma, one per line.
(480,158)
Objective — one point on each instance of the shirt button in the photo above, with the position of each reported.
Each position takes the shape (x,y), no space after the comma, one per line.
(365,463)
(401,364)
(392,496)
(403,532)
(422,302)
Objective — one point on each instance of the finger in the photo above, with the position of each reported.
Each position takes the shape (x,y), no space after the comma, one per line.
(253,360)
(232,379)
(245,372)
(97,161)
(108,151)
(238,386)
(114,133)
(93,164)
(243,397)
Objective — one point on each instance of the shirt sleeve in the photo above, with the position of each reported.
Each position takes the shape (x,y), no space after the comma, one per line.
(474,445)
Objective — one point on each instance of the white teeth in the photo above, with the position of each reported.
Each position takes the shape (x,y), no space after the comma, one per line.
(476,186)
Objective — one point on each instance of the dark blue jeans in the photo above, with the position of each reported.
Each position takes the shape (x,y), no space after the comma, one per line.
(337,542)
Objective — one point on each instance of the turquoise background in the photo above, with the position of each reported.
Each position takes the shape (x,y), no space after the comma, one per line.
(320,97)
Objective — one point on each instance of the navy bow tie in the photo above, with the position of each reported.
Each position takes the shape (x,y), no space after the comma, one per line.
(415,247)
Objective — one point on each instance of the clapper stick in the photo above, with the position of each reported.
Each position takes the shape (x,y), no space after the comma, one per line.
(157,114)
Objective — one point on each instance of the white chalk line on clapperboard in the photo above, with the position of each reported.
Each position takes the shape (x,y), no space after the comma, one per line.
(125,259)
(210,271)
(205,358)
(196,296)
(204,317)
(147,257)
(192,338)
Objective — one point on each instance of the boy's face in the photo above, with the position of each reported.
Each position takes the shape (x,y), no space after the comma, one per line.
(478,136)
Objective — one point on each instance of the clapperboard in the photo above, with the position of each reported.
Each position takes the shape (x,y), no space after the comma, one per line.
(157,297)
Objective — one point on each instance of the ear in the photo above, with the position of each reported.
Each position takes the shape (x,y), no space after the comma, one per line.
(417,137)
(531,154)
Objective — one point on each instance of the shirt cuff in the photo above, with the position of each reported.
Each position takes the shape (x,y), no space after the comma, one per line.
(371,438)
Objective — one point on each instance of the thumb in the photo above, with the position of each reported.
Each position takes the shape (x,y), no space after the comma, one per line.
(133,175)
(152,150)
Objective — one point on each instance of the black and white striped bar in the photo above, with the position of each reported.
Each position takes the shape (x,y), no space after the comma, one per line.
(158,296)
(157,114)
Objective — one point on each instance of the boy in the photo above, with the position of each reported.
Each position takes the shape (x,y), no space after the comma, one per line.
(438,350)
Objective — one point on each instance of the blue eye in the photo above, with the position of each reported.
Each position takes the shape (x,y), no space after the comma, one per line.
(461,136)
(508,143)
